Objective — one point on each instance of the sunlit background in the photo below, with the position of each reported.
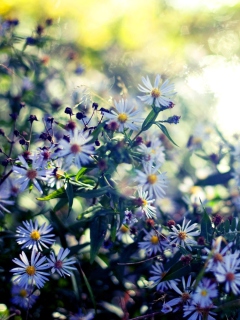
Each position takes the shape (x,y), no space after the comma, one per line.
(194,42)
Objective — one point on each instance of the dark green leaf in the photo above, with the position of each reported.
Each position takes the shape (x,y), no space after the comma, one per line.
(214,179)
(233,224)
(164,130)
(92,193)
(177,271)
(206,227)
(70,195)
(89,289)
(98,229)
(148,122)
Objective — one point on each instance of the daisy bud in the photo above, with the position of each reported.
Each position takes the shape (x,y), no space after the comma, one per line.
(217,219)
(97,143)
(80,116)
(5,162)
(201,241)
(171,223)
(22,142)
(49,22)
(13,116)
(95,105)
(32,118)
(173,119)
(68,111)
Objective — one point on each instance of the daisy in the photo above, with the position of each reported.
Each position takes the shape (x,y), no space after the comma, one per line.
(145,204)
(33,236)
(151,180)
(215,256)
(205,292)
(158,273)
(185,294)
(30,272)
(152,152)
(24,298)
(228,273)
(29,174)
(77,151)
(125,115)
(198,313)
(154,94)
(61,265)
(182,235)
(153,242)
(57,175)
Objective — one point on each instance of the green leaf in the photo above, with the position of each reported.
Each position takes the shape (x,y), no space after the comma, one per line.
(59,193)
(148,122)
(60,204)
(92,193)
(164,130)
(177,271)
(98,229)
(227,226)
(206,226)
(80,173)
(233,224)
(70,195)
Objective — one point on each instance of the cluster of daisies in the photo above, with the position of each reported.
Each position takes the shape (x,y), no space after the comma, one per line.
(35,270)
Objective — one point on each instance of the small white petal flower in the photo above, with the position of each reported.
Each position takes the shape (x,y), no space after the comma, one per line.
(125,115)
(182,235)
(152,152)
(33,236)
(77,151)
(145,202)
(61,264)
(29,174)
(157,94)
(228,274)
(153,242)
(30,272)
(158,273)
(198,313)
(24,298)
(151,180)
(205,292)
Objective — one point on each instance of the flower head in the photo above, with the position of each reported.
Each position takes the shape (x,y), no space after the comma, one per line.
(182,235)
(30,272)
(158,273)
(32,236)
(77,151)
(145,203)
(205,291)
(152,181)
(153,242)
(61,264)
(24,298)
(157,94)
(125,115)
(197,312)
(30,174)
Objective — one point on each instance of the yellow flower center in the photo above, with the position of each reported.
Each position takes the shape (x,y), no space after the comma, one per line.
(30,270)
(182,235)
(35,235)
(204,293)
(23,293)
(122,117)
(155,93)
(152,178)
(75,148)
(144,202)
(59,174)
(124,229)
(154,240)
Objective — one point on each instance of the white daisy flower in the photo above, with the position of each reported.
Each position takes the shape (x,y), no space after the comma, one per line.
(185,294)
(145,204)
(30,272)
(160,96)
(227,273)
(152,152)
(30,174)
(151,180)
(33,236)
(153,242)
(215,256)
(24,298)
(182,235)
(56,178)
(125,115)
(158,273)
(205,292)
(77,151)
(198,313)
(61,264)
